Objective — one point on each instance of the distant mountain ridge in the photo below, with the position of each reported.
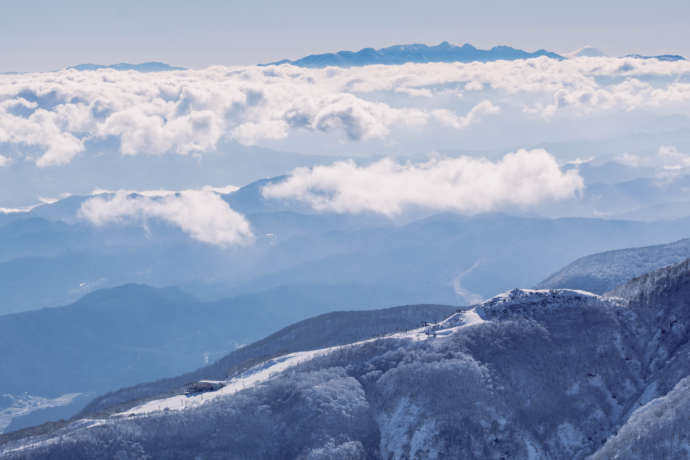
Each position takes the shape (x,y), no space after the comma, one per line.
(420,53)
(661,57)
(443,52)
(604,271)
(151,66)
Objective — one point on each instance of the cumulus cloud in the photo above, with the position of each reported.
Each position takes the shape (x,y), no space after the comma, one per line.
(53,116)
(464,184)
(200,213)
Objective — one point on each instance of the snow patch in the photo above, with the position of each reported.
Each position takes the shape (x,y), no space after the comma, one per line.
(270,368)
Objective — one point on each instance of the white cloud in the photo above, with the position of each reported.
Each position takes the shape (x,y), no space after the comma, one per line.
(223,190)
(672,158)
(463,184)
(51,200)
(200,213)
(4,161)
(630,159)
(447,118)
(56,114)
(580,161)
(668,161)
(16,210)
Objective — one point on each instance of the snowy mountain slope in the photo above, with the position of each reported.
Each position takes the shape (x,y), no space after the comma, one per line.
(131,334)
(604,271)
(657,430)
(654,283)
(400,54)
(327,330)
(528,374)
(269,368)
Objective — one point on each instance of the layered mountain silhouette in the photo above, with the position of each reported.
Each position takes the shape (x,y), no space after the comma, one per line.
(443,52)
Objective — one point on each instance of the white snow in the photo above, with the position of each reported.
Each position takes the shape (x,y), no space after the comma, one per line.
(254,376)
(542,299)
(268,369)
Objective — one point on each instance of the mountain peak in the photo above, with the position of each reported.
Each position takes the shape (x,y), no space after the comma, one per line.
(585,51)
(527,301)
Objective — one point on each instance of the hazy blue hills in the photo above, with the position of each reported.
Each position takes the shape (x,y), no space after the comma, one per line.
(464,258)
(143,67)
(528,374)
(602,272)
(134,333)
(401,54)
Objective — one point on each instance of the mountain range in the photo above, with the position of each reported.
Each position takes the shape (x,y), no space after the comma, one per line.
(401,54)
(526,374)
(466,257)
(599,273)
(393,55)
(443,52)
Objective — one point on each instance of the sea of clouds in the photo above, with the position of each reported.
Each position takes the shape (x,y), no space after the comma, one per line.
(189,112)
(50,119)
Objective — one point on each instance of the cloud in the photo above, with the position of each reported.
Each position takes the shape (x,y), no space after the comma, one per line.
(200,213)
(53,116)
(672,158)
(221,190)
(448,118)
(668,161)
(464,184)
(4,161)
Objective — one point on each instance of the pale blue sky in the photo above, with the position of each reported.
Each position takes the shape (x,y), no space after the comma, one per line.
(46,35)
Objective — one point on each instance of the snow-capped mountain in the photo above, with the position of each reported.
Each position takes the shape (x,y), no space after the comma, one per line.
(585,51)
(604,271)
(527,374)
(401,54)
(591,51)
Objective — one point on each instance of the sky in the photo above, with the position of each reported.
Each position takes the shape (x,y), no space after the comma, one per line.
(47,35)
